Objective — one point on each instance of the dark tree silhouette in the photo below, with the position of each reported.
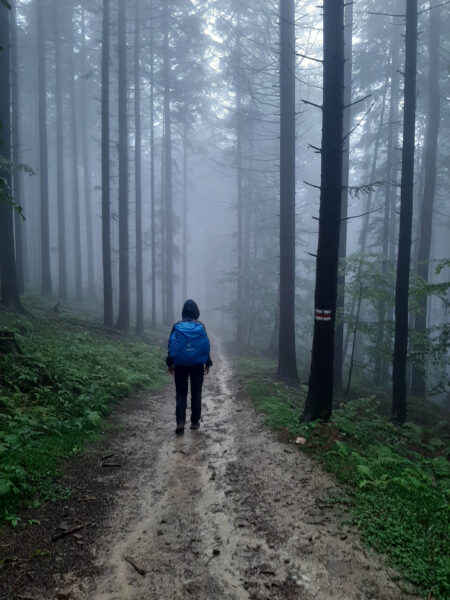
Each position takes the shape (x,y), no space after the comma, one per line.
(426,220)
(106,207)
(9,290)
(123,319)
(169,273)
(138,172)
(46,277)
(320,393)
(287,364)
(406,210)
(60,175)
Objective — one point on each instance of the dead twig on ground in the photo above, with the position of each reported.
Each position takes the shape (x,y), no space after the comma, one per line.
(70,531)
(138,569)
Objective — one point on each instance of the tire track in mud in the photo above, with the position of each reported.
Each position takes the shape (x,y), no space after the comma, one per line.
(226,512)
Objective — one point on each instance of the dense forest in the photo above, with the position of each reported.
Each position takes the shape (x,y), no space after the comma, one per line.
(285,164)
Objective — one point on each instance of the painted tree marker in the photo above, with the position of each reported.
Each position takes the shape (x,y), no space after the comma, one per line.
(322,315)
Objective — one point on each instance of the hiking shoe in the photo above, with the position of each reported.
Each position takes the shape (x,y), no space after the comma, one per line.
(180,429)
(195,425)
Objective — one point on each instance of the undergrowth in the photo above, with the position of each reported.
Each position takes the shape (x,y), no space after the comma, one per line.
(56,387)
(397,478)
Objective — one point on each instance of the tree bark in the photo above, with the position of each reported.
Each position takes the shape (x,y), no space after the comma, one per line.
(152,167)
(138,173)
(43,156)
(169,312)
(184,216)
(123,319)
(60,152)
(75,169)
(9,289)
(389,199)
(106,208)
(18,221)
(87,168)
(426,220)
(406,206)
(287,363)
(320,393)
(339,334)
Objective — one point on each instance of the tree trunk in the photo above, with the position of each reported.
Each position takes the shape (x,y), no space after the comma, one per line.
(75,169)
(43,155)
(339,334)
(406,204)
(9,290)
(152,169)
(390,197)
(169,313)
(320,393)
(123,319)
(18,222)
(426,220)
(87,168)
(60,151)
(185,201)
(287,363)
(106,208)
(138,173)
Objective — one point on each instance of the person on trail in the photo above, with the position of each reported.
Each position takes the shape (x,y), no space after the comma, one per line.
(188,357)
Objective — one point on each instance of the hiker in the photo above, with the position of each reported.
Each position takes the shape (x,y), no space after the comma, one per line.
(188,357)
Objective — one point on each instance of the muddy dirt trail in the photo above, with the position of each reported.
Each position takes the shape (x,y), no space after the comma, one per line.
(226,512)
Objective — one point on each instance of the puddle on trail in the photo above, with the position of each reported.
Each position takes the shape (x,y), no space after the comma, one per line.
(179,531)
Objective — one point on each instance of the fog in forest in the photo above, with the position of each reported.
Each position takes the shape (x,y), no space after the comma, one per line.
(153,141)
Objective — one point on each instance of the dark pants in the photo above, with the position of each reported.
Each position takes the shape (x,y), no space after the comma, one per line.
(182,375)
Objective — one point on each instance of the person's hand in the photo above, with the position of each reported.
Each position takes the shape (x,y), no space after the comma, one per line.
(171,370)
(206,370)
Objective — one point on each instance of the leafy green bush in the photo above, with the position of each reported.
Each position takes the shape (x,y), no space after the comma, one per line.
(54,394)
(398,478)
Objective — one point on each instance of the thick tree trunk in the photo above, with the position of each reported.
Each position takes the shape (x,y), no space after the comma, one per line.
(320,393)
(106,208)
(152,169)
(169,312)
(426,220)
(287,363)
(87,168)
(18,222)
(406,206)
(339,334)
(138,173)
(75,169)
(123,319)
(9,290)
(43,156)
(60,151)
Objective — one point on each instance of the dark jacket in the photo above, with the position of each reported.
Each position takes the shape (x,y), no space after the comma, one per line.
(190,313)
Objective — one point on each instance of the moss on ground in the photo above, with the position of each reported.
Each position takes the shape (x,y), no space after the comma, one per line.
(56,388)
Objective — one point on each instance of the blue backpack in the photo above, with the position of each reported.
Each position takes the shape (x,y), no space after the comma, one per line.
(189,343)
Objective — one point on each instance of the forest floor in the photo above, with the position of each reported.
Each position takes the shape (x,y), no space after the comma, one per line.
(231,511)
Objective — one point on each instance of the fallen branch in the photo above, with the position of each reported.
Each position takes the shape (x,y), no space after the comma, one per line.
(111,465)
(70,531)
(138,569)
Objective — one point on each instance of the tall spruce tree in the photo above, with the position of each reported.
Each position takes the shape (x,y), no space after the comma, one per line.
(320,393)
(406,212)
(287,364)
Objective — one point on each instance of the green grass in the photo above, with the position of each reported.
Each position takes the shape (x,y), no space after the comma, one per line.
(54,395)
(397,478)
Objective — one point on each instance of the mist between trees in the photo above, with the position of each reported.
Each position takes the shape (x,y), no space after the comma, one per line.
(285,164)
